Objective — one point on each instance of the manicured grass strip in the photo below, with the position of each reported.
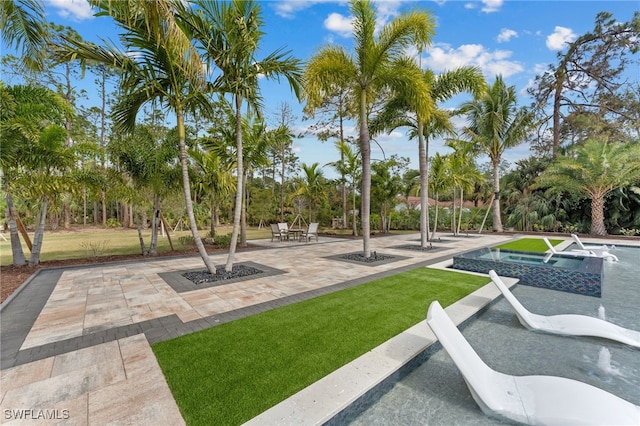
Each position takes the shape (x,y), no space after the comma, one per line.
(529,244)
(228,374)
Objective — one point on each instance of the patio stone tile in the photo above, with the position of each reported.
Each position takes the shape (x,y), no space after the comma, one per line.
(25,374)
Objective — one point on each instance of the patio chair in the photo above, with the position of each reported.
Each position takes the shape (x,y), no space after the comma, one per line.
(276,232)
(567,324)
(312,231)
(582,253)
(534,400)
(284,229)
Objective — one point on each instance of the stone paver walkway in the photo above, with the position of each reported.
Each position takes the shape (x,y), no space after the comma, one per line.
(75,343)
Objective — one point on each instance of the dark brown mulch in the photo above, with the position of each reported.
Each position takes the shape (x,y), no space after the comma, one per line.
(12,277)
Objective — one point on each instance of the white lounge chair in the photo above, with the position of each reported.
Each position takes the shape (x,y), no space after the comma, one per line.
(582,253)
(595,248)
(567,324)
(534,400)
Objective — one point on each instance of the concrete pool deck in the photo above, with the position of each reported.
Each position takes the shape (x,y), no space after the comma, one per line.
(76,342)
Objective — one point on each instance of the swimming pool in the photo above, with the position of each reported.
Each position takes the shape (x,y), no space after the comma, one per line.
(581,275)
(435,393)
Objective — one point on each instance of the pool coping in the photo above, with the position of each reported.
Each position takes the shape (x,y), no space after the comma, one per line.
(325,399)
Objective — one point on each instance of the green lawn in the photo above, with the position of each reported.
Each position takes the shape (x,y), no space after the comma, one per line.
(529,244)
(85,243)
(231,373)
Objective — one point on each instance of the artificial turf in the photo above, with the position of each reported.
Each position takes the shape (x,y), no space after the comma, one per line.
(528,244)
(228,374)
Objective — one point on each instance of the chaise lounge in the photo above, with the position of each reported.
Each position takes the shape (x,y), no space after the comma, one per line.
(533,400)
(582,253)
(567,324)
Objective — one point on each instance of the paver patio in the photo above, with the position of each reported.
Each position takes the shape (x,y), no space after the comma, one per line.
(76,342)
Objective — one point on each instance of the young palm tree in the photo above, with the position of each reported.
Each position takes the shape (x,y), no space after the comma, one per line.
(495,125)
(159,64)
(401,111)
(312,185)
(230,33)
(438,182)
(592,171)
(378,64)
(350,166)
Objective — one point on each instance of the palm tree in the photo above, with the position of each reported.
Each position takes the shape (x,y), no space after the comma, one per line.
(27,113)
(438,182)
(349,166)
(401,111)
(592,171)
(495,125)
(22,22)
(378,64)
(159,64)
(312,186)
(463,175)
(230,35)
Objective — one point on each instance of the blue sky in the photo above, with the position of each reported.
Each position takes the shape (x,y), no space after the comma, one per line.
(517,39)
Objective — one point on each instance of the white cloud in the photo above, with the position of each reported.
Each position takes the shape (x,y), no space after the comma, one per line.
(559,37)
(72,9)
(340,24)
(491,5)
(288,8)
(506,34)
(442,57)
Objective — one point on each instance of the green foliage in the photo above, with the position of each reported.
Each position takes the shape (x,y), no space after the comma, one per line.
(246,366)
(94,249)
(112,222)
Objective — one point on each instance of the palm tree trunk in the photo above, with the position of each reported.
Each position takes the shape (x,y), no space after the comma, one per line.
(155,224)
(187,193)
(435,219)
(342,176)
(143,248)
(239,173)
(38,236)
(597,215)
(354,216)
(461,205)
(424,184)
(365,149)
(497,221)
(243,218)
(16,246)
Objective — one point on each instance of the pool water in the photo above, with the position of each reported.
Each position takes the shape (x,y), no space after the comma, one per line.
(435,393)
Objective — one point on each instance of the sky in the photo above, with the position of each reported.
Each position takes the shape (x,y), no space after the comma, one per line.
(515,39)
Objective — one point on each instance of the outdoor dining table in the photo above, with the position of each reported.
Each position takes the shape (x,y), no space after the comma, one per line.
(295,232)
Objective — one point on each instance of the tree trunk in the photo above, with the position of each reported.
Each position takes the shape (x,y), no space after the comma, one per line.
(143,249)
(243,218)
(239,173)
(424,184)
(38,236)
(155,224)
(497,221)
(342,176)
(597,215)
(365,150)
(103,199)
(460,213)
(435,220)
(16,246)
(354,222)
(187,193)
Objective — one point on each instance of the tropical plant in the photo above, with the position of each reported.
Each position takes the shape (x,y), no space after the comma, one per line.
(401,111)
(22,23)
(463,175)
(495,124)
(312,185)
(350,166)
(593,170)
(378,64)
(166,67)
(438,182)
(386,182)
(230,34)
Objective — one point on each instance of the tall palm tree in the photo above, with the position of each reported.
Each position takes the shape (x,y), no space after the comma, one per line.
(22,23)
(495,124)
(230,33)
(592,171)
(159,63)
(378,64)
(401,111)
(463,174)
(438,182)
